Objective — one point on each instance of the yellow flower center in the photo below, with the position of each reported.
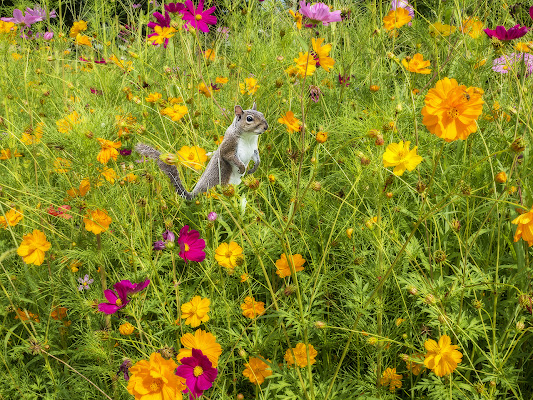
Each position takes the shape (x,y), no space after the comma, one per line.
(228,254)
(453,113)
(155,386)
(85,284)
(198,17)
(118,302)
(198,371)
(186,247)
(191,156)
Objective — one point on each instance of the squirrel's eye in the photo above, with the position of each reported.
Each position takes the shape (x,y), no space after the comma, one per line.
(249,118)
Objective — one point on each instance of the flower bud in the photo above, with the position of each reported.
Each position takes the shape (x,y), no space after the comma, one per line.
(349,232)
(320,324)
(518,145)
(501,177)
(520,326)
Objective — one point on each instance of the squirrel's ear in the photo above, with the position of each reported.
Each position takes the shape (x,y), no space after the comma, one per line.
(254,107)
(238,111)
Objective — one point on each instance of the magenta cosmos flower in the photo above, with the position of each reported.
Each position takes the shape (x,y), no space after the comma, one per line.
(118,298)
(191,246)
(507,34)
(319,12)
(175,7)
(198,372)
(197,17)
(162,20)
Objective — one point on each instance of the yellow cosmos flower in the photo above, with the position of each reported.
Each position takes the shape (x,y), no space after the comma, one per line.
(192,157)
(437,28)
(210,55)
(284,268)
(62,165)
(293,124)
(297,18)
(162,33)
(442,358)
(306,64)
(391,378)
(109,175)
(203,341)
(222,80)
(126,329)
(525,227)
(416,364)
(195,311)
(523,47)
(321,137)
(33,136)
(16,56)
(7,27)
(33,247)
(83,40)
(6,154)
(156,380)
(252,308)
(97,221)
(204,90)
(66,124)
(124,65)
(323,54)
(176,112)
(451,110)
(300,355)
(417,64)
(108,150)
(228,255)
(473,27)
(12,218)
(396,19)
(153,97)
(249,86)
(77,27)
(401,158)
(256,370)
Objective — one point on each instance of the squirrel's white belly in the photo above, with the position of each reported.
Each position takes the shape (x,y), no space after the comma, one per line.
(245,151)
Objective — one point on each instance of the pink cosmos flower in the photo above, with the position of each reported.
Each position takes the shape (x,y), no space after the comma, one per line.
(175,7)
(191,246)
(118,298)
(319,12)
(19,18)
(507,34)
(197,17)
(198,372)
(513,62)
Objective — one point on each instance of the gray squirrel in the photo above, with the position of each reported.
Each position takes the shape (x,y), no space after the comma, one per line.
(228,163)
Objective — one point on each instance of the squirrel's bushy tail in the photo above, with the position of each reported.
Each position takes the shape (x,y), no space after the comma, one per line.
(170,170)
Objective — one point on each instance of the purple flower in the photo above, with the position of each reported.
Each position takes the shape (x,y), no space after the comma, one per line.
(175,7)
(96,91)
(118,298)
(224,30)
(319,12)
(39,12)
(159,245)
(198,372)
(48,35)
(513,63)
(169,236)
(191,246)
(101,61)
(343,80)
(125,152)
(314,93)
(162,21)
(125,369)
(19,18)
(197,17)
(531,12)
(136,5)
(212,216)
(84,283)
(167,242)
(507,34)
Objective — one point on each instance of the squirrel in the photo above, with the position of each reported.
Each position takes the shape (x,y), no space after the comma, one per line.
(228,163)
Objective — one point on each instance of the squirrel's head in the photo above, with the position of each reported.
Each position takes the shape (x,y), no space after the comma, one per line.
(250,120)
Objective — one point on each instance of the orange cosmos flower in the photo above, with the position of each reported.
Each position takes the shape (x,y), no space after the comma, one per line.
(156,379)
(472,26)
(417,64)
(195,311)
(176,112)
(33,136)
(293,124)
(108,150)
(249,86)
(300,354)
(204,90)
(153,97)
(442,358)
(256,370)
(77,27)
(6,154)
(451,110)
(83,40)
(396,18)
(252,308)
(284,268)
(33,247)
(200,340)
(12,218)
(391,378)
(97,221)
(525,227)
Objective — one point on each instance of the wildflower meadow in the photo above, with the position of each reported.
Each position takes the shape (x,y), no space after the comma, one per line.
(364,231)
